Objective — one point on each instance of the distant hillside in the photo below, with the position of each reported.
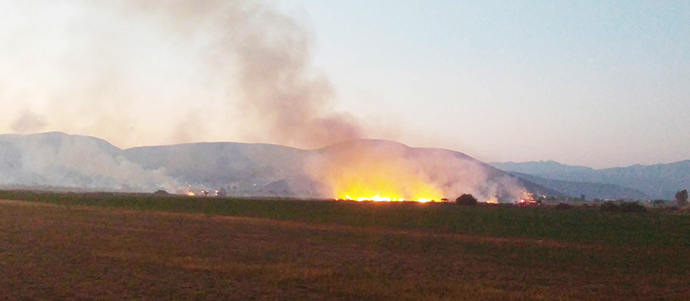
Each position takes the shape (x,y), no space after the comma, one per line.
(61,160)
(590,190)
(656,181)
(541,168)
(240,167)
(57,159)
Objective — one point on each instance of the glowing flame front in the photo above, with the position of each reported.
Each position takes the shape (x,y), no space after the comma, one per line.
(381,187)
(378,198)
(375,172)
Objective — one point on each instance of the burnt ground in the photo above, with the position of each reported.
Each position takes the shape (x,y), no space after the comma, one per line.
(61,252)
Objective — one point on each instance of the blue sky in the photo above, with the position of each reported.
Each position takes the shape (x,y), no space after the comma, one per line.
(595,83)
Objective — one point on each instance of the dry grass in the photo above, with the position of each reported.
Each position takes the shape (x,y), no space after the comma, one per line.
(57,252)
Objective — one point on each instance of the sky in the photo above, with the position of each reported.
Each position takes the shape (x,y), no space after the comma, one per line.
(594,83)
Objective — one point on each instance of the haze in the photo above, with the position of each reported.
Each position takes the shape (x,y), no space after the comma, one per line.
(590,83)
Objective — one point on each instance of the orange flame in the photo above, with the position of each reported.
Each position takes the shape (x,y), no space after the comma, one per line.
(379,175)
(378,198)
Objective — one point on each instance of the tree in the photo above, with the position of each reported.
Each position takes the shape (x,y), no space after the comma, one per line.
(682,197)
(466,199)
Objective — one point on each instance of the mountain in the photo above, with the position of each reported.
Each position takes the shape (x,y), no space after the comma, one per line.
(659,181)
(590,190)
(541,168)
(62,160)
(241,167)
(58,159)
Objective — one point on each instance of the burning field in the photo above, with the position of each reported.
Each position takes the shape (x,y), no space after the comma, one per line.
(374,170)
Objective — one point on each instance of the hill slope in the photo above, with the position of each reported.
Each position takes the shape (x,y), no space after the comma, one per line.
(589,190)
(58,159)
(656,181)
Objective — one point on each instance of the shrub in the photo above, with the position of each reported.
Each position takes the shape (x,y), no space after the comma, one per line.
(610,206)
(633,207)
(658,202)
(671,208)
(466,199)
(563,206)
(161,192)
(682,197)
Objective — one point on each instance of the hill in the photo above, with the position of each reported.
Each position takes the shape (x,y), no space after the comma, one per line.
(589,190)
(62,160)
(659,181)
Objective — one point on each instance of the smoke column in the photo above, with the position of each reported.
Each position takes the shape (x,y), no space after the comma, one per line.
(156,72)
(265,54)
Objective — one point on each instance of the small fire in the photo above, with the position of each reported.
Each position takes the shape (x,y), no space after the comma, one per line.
(190,193)
(492,200)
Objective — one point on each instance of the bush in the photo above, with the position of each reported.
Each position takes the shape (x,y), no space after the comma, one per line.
(563,206)
(633,207)
(161,192)
(671,208)
(610,206)
(682,197)
(466,199)
(658,202)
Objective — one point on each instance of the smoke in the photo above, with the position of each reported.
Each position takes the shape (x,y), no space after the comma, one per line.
(155,71)
(129,71)
(28,122)
(366,168)
(60,160)
(170,71)
(267,54)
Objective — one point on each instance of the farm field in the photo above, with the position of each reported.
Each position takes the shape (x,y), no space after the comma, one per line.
(107,246)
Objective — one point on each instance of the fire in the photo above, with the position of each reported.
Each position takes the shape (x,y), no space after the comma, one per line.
(378,198)
(374,172)
(190,193)
(383,185)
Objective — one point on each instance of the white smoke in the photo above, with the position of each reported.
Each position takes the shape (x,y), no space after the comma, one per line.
(28,122)
(60,160)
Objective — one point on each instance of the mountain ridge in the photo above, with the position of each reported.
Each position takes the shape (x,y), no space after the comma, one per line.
(60,159)
(242,168)
(659,181)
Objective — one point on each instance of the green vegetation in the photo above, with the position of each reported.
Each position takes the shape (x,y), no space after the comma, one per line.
(653,229)
(632,207)
(335,250)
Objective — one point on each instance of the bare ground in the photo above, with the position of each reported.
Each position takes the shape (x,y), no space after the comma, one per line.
(57,252)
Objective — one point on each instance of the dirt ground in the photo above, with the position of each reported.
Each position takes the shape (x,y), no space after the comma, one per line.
(58,252)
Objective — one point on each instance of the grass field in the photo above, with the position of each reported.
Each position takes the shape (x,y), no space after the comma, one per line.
(106,246)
